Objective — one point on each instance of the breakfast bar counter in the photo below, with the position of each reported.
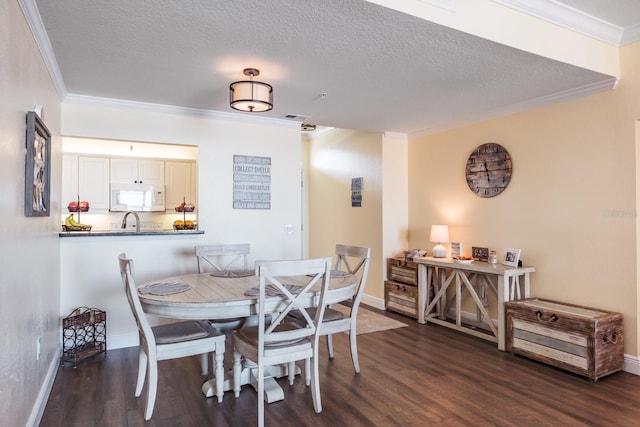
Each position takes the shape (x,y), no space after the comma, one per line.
(103,233)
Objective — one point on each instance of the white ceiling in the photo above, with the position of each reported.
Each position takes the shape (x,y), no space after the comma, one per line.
(381,70)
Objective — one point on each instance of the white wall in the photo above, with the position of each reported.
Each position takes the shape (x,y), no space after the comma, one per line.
(89,269)
(29,254)
(395,194)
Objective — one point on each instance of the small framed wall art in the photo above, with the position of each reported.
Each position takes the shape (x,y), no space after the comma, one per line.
(511,257)
(37,167)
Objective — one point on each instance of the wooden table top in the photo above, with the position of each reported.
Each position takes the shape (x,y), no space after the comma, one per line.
(476,266)
(212,297)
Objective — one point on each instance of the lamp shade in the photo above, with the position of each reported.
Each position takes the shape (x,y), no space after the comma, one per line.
(439,234)
(250,95)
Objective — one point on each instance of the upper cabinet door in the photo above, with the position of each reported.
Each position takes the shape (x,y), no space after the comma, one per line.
(179,183)
(93,181)
(137,171)
(69,180)
(151,172)
(124,171)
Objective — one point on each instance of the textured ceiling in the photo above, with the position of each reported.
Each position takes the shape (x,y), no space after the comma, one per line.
(381,70)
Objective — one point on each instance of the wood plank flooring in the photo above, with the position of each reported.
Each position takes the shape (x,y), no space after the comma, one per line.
(420,375)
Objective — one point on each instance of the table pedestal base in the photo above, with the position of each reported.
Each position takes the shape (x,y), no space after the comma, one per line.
(272,390)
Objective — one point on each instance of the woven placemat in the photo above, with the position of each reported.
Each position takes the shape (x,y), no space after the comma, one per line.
(164,288)
(233,273)
(272,291)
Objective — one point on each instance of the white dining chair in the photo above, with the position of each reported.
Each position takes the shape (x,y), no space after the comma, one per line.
(281,341)
(353,260)
(169,341)
(224,260)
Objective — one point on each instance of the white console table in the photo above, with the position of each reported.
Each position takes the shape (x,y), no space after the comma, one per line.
(507,283)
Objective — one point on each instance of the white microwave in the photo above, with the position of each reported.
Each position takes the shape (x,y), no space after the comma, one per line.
(137,197)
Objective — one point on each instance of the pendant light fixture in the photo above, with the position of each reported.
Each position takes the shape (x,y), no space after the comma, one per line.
(250,95)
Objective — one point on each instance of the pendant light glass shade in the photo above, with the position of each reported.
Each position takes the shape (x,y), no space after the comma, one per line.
(250,95)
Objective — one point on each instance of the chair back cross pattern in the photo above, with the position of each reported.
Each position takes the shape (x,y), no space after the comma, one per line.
(282,341)
(292,297)
(222,257)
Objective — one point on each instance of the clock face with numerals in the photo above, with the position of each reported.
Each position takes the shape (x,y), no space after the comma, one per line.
(488,170)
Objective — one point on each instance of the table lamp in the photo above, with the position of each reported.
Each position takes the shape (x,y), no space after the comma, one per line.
(439,235)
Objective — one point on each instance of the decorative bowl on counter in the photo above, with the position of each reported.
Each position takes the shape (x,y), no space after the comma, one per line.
(82,206)
(185,208)
(184,225)
(76,227)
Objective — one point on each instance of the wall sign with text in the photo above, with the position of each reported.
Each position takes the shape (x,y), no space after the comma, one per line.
(251,182)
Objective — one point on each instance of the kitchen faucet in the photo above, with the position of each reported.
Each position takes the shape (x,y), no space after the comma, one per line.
(124,220)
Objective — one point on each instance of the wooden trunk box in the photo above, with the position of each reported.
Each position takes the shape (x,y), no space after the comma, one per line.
(583,340)
(401,288)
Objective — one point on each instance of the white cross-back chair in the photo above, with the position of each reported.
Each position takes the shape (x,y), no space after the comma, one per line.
(281,341)
(223,260)
(353,260)
(169,341)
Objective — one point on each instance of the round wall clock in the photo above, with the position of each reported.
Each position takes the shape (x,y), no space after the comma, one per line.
(488,170)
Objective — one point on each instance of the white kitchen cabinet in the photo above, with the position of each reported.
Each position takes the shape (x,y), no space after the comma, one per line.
(86,177)
(69,190)
(137,171)
(179,183)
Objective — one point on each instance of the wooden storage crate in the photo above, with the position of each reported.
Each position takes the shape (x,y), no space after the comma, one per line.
(399,270)
(400,290)
(583,340)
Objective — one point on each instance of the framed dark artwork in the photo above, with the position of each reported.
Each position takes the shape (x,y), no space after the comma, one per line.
(356,192)
(488,170)
(37,193)
(480,254)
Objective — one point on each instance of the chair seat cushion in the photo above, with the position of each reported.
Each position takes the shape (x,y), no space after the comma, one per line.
(183,331)
(249,334)
(329,314)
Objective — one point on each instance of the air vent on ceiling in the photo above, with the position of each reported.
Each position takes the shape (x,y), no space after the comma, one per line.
(297,117)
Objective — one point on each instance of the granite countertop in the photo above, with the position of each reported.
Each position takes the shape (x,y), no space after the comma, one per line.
(127,233)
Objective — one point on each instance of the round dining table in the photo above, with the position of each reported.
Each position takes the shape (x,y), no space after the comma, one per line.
(231,295)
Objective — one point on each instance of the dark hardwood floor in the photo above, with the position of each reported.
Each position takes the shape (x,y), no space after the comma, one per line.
(420,375)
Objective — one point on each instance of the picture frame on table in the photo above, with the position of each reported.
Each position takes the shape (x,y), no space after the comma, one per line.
(37,195)
(456,249)
(479,253)
(511,257)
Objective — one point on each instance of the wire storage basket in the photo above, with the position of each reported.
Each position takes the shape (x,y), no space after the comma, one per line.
(84,334)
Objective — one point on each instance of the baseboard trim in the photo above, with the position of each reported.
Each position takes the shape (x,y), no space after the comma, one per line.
(122,341)
(373,301)
(45,390)
(631,364)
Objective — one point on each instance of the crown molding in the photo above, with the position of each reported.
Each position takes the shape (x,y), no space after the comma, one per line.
(32,16)
(568,17)
(394,135)
(555,98)
(631,34)
(120,104)
(449,5)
